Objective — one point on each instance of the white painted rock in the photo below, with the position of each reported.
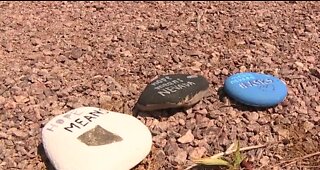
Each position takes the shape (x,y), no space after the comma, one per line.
(90,138)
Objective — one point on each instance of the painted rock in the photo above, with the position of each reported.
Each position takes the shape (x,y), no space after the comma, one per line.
(173,91)
(93,138)
(255,89)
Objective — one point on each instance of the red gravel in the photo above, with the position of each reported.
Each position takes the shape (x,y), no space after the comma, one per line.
(56,56)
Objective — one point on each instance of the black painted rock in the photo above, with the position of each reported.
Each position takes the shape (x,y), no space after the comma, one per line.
(173,91)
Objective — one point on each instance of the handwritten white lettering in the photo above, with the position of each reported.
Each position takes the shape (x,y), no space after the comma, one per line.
(164,92)
(241,78)
(173,89)
(255,83)
(160,81)
(173,82)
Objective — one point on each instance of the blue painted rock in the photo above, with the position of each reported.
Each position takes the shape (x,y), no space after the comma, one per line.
(173,91)
(93,138)
(255,89)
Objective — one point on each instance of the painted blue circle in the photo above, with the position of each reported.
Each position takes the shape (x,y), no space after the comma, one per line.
(255,89)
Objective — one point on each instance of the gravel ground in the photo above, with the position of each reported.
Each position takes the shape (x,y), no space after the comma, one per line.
(56,56)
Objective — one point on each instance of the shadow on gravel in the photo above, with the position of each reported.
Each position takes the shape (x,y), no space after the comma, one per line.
(222,97)
(207,167)
(44,157)
(241,107)
(157,114)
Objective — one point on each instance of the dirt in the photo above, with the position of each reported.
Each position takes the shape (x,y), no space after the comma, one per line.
(56,56)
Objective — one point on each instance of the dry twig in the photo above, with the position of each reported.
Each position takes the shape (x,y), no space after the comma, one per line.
(294,160)
(230,151)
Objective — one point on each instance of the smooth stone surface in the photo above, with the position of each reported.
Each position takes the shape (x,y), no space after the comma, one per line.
(92,138)
(256,89)
(173,91)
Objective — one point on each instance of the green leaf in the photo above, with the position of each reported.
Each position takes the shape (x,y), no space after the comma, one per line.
(212,161)
(237,157)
